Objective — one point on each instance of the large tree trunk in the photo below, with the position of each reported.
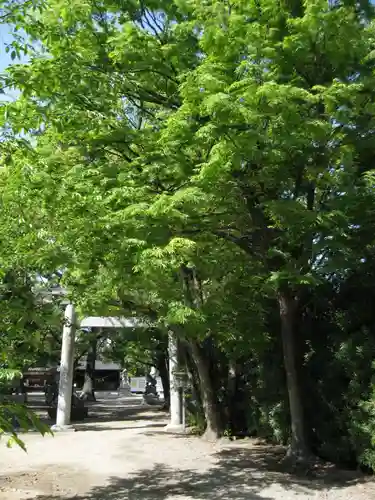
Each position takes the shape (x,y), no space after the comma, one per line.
(232,399)
(298,450)
(208,396)
(88,393)
(193,404)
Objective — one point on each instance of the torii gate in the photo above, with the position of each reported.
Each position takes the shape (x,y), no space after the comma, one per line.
(176,423)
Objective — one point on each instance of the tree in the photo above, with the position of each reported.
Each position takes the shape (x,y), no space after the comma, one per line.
(89,384)
(23,331)
(30,328)
(138,350)
(268,108)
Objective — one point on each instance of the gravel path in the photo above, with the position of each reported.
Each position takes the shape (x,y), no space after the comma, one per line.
(128,456)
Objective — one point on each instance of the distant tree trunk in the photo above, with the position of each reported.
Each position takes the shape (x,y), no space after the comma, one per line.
(208,396)
(299,449)
(162,367)
(193,295)
(88,387)
(191,368)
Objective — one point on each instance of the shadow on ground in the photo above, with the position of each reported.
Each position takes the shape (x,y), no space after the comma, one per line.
(112,411)
(161,483)
(114,414)
(96,427)
(239,474)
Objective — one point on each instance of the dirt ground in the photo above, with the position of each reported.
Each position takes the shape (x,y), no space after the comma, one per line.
(123,453)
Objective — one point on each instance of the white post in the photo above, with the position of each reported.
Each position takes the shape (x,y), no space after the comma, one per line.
(66,370)
(176,423)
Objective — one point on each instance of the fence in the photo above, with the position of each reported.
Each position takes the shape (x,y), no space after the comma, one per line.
(138,385)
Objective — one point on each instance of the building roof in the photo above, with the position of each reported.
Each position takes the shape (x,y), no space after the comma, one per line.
(111,322)
(99,365)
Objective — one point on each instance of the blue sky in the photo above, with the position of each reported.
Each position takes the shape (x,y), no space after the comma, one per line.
(5,59)
(5,37)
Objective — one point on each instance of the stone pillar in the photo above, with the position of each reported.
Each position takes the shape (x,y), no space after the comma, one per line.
(66,371)
(177,417)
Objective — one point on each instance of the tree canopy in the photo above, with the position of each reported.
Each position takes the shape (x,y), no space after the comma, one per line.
(207,165)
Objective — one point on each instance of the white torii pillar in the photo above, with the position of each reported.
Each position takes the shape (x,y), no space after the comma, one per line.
(177,404)
(66,371)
